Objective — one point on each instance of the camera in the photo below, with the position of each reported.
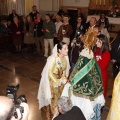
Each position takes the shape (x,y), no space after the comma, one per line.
(116,65)
(11,92)
(78,40)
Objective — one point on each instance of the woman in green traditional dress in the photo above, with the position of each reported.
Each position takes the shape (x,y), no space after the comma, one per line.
(54,76)
(85,88)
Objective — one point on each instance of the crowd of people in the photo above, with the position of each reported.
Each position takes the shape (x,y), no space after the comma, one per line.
(68,41)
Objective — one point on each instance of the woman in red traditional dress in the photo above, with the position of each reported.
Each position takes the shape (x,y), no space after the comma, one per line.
(102,56)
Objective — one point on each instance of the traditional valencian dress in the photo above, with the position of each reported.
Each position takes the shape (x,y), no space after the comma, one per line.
(86,89)
(114,113)
(54,77)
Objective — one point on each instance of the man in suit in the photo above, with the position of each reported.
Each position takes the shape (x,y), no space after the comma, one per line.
(34,12)
(12,15)
(65,111)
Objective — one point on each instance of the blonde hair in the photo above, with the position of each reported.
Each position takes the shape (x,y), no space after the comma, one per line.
(90,38)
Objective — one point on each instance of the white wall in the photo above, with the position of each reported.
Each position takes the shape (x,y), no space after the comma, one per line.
(81,3)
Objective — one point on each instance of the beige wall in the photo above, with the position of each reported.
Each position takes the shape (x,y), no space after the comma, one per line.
(83,3)
(28,6)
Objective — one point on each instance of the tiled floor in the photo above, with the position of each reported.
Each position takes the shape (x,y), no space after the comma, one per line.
(26,68)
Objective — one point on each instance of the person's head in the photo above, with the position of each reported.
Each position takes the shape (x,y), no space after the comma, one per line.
(29,18)
(15,19)
(9,23)
(4,22)
(90,38)
(7,108)
(79,19)
(93,21)
(47,17)
(13,11)
(102,16)
(62,48)
(102,43)
(65,19)
(34,8)
(58,18)
(64,104)
(38,16)
(102,25)
(79,11)
(82,35)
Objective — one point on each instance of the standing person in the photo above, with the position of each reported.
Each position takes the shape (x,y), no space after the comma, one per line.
(75,49)
(103,19)
(76,15)
(38,34)
(78,27)
(115,54)
(49,31)
(54,76)
(58,23)
(85,87)
(114,112)
(17,30)
(34,12)
(12,15)
(65,30)
(28,33)
(102,56)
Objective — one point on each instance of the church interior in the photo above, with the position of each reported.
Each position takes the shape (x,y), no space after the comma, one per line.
(24,68)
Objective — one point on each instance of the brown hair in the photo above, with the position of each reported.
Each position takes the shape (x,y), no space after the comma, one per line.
(105,43)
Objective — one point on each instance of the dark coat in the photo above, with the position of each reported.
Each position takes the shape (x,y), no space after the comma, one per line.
(33,15)
(15,29)
(74,114)
(5,30)
(39,27)
(115,51)
(11,16)
(106,22)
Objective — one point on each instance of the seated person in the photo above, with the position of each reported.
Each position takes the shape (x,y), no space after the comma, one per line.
(7,109)
(66,111)
(4,29)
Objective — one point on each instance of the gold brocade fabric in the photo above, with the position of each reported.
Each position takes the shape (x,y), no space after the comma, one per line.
(114,112)
(48,111)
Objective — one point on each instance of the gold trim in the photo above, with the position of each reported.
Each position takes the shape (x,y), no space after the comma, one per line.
(87,97)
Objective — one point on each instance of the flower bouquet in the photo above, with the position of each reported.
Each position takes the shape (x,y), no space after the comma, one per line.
(114,9)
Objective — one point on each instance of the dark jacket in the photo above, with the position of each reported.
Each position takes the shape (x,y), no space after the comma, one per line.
(11,16)
(74,52)
(33,15)
(39,27)
(74,114)
(115,51)
(106,22)
(51,27)
(15,29)
(5,30)
(80,28)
